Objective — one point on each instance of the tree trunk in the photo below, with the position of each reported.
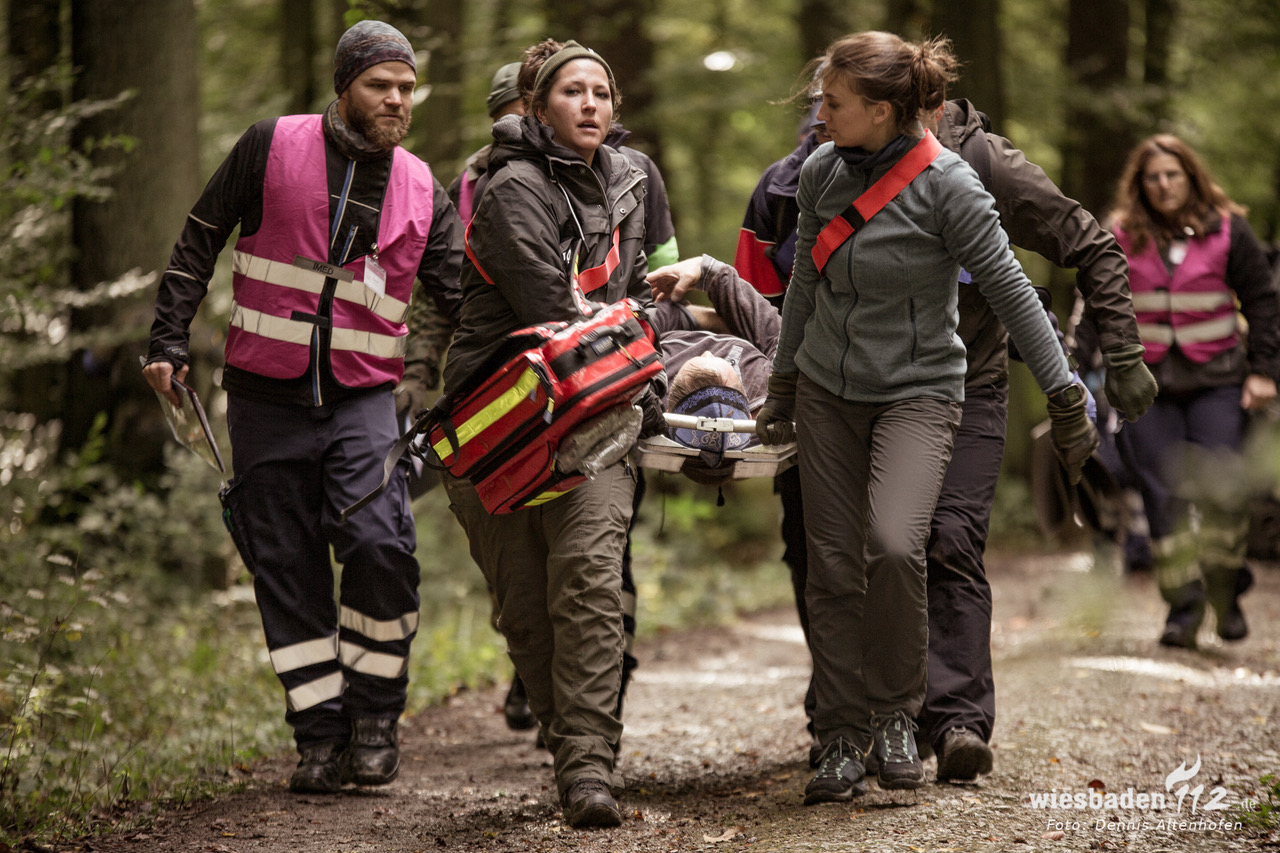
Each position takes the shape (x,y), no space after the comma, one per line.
(1099,133)
(298,54)
(34,38)
(820,22)
(1160,16)
(907,18)
(438,122)
(148,46)
(974,29)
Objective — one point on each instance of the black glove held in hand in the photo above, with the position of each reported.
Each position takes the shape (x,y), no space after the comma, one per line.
(774,422)
(651,409)
(1129,385)
(1071,430)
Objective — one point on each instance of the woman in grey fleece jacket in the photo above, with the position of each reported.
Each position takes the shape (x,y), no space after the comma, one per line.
(870,367)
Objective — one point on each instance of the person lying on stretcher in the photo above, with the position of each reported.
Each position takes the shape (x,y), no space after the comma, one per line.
(718,358)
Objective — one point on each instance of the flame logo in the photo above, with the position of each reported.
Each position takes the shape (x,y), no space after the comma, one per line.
(1182,774)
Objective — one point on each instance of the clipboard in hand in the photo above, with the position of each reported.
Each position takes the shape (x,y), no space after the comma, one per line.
(191,431)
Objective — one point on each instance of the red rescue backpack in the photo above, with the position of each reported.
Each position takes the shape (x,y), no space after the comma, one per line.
(503,425)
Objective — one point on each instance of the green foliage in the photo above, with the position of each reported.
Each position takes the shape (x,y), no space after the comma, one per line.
(41,174)
(1260,812)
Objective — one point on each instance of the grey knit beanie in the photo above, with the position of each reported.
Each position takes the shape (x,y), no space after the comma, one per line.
(365,45)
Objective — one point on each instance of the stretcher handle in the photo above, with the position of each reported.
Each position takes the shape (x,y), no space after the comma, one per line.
(709,424)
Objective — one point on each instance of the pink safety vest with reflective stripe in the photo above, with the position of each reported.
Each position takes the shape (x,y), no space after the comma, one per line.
(280,271)
(1193,307)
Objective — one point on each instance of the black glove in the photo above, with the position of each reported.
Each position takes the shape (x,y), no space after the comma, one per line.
(1129,385)
(411,393)
(1071,430)
(774,420)
(651,411)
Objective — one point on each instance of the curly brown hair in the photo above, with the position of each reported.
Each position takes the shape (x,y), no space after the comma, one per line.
(1132,209)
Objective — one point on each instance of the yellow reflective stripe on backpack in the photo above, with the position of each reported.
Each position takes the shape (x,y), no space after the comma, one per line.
(546,497)
(490,414)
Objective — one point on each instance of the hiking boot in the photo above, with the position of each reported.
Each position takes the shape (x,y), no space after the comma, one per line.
(1231,624)
(588,803)
(373,757)
(963,756)
(895,747)
(319,769)
(840,775)
(1186,612)
(515,708)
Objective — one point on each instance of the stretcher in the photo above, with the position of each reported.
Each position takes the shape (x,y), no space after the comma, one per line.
(661,453)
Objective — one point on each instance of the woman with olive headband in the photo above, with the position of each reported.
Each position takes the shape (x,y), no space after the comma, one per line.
(558,230)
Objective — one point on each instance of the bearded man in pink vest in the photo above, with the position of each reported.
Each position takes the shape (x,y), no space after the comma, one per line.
(336,221)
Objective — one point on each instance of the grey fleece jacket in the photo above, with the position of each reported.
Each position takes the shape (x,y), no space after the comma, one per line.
(880,325)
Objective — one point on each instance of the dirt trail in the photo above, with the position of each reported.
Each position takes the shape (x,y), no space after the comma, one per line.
(714,749)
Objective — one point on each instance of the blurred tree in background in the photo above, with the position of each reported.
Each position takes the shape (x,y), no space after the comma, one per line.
(705,85)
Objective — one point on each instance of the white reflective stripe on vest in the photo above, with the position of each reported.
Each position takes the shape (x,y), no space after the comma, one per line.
(382,665)
(376,629)
(299,332)
(1163,300)
(298,655)
(284,274)
(271,326)
(1189,333)
(383,346)
(314,692)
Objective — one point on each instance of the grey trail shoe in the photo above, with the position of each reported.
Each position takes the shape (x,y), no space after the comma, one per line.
(840,775)
(895,748)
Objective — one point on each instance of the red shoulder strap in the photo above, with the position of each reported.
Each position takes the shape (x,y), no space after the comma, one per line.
(876,197)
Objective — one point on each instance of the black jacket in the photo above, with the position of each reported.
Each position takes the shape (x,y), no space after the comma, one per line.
(233,197)
(1036,216)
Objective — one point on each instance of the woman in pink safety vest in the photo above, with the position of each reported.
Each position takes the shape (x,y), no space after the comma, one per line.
(1194,267)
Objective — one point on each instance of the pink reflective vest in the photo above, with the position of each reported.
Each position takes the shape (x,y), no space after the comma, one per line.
(1193,307)
(280,272)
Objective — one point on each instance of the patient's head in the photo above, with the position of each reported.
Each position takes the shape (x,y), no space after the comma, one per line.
(709,387)
(699,372)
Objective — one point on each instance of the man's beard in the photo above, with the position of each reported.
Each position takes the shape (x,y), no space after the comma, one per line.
(379,135)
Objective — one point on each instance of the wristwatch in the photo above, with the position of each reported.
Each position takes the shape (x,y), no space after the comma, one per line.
(1072,395)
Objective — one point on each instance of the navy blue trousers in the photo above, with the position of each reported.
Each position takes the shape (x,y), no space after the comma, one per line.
(296,469)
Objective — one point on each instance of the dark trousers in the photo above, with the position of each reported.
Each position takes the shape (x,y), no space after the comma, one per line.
(870,475)
(961,689)
(296,469)
(1183,451)
(556,575)
(1210,419)
(796,555)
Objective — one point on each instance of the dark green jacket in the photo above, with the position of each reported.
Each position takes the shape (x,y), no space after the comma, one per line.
(543,211)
